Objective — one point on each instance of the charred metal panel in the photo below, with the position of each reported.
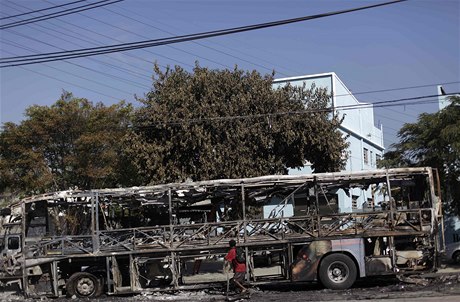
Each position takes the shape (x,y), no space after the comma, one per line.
(305,266)
(378,265)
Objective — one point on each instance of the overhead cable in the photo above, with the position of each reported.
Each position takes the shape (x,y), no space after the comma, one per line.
(389,103)
(197,43)
(395,89)
(91,80)
(287,113)
(67,36)
(57,56)
(41,10)
(238,42)
(60,14)
(123,79)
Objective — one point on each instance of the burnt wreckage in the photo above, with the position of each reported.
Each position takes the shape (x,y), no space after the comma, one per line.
(129,240)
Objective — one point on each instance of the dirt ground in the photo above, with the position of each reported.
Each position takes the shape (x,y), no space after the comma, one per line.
(441,286)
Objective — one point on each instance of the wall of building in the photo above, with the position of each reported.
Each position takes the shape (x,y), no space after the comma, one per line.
(365,138)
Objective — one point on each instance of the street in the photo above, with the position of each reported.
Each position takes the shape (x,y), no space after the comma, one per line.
(441,286)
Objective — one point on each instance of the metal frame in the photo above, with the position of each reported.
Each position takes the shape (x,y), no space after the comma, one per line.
(176,240)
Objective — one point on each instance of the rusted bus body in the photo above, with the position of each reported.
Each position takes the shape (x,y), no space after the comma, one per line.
(138,239)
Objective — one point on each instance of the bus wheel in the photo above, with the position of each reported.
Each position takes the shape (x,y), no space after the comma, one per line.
(456,257)
(337,271)
(83,285)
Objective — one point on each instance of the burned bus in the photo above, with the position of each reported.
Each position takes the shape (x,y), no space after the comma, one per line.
(139,239)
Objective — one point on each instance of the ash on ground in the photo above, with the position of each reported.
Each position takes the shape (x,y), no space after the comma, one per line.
(430,285)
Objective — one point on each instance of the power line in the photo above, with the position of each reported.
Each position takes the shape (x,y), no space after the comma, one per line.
(273,114)
(97,42)
(386,95)
(41,10)
(81,66)
(396,89)
(391,119)
(387,103)
(73,84)
(339,95)
(239,42)
(75,64)
(405,99)
(125,70)
(135,20)
(67,32)
(399,112)
(59,14)
(86,79)
(183,38)
(156,54)
(131,32)
(197,43)
(355,93)
(57,56)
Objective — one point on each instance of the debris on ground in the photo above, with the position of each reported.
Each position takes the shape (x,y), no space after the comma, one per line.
(415,279)
(433,285)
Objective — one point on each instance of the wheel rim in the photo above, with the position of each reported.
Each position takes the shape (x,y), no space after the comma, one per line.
(338,272)
(85,286)
(457,257)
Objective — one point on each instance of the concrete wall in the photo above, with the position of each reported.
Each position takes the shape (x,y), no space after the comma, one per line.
(358,125)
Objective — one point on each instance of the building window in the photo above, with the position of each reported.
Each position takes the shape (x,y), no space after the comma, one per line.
(366,155)
(354,202)
(370,203)
(372,158)
(378,158)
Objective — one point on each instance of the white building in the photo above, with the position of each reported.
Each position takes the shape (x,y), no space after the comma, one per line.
(365,138)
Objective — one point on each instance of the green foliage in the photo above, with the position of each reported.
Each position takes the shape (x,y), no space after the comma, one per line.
(212,124)
(434,140)
(72,143)
(207,124)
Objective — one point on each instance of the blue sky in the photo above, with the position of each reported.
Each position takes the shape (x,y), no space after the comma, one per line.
(406,44)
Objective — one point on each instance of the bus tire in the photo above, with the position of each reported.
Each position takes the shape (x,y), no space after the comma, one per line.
(337,271)
(456,257)
(83,285)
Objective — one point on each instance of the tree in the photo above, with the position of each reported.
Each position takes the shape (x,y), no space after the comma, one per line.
(211,124)
(72,143)
(434,140)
